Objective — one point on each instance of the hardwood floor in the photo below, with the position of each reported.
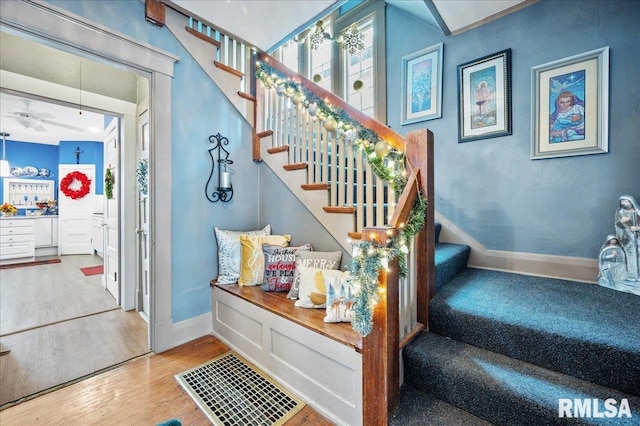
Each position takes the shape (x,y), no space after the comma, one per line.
(140,392)
(60,327)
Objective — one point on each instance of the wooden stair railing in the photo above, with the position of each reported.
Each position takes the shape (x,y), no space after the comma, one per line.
(290,137)
(380,349)
(380,368)
(354,188)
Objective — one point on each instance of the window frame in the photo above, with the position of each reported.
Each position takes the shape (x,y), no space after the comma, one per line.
(368,10)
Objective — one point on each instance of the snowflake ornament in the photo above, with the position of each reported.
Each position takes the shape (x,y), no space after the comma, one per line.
(352,40)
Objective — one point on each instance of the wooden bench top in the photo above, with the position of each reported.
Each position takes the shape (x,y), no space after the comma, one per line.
(313,319)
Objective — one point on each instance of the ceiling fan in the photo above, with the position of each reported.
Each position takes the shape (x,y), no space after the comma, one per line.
(31,119)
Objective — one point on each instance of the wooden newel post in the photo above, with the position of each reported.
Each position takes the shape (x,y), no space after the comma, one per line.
(419,154)
(380,349)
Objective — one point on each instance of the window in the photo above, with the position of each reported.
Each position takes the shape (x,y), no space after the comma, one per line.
(289,54)
(358,78)
(360,69)
(321,60)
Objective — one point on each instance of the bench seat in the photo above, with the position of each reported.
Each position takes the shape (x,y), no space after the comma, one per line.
(313,319)
(320,362)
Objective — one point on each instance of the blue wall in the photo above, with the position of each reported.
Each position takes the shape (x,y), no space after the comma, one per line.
(491,188)
(40,156)
(90,153)
(199,109)
(45,156)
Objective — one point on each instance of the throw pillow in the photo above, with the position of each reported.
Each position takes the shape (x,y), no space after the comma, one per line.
(229,252)
(340,299)
(313,286)
(252,258)
(313,259)
(279,266)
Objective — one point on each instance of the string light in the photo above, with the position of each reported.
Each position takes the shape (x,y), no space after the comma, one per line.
(388,164)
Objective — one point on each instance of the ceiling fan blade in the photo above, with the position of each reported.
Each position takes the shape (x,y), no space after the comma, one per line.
(41,115)
(28,123)
(66,126)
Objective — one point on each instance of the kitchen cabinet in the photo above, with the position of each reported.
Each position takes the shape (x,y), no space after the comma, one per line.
(17,239)
(97,234)
(46,231)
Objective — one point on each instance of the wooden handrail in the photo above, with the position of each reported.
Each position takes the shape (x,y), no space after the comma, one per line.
(380,348)
(379,128)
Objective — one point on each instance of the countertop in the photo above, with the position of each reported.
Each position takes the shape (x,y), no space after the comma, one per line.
(27,217)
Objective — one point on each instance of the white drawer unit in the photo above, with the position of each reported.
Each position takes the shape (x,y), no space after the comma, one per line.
(17,239)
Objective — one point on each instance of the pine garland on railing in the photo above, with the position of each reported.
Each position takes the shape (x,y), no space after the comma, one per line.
(369,258)
(387,163)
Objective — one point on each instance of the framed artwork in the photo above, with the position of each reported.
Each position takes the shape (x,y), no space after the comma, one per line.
(422,85)
(570,106)
(484,97)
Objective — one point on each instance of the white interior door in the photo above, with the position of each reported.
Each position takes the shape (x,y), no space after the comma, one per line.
(76,214)
(143,221)
(112,211)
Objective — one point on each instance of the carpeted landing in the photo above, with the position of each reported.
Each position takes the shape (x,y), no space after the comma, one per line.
(507,348)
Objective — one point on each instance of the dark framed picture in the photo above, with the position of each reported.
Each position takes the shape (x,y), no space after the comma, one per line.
(484,97)
(570,105)
(422,85)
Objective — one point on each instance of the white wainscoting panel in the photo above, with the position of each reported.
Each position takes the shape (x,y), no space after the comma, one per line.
(323,372)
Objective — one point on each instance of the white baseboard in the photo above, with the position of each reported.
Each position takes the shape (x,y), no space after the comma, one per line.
(563,267)
(188,330)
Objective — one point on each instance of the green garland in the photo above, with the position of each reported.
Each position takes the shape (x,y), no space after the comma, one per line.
(370,258)
(366,139)
(364,266)
(108,183)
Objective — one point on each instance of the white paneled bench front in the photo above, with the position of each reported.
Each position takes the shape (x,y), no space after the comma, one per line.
(320,362)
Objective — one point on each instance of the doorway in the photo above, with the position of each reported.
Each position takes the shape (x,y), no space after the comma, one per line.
(55,27)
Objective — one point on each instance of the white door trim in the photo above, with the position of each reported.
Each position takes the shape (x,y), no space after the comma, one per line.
(64,30)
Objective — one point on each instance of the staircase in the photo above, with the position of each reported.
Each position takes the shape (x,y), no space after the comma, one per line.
(502,348)
(505,349)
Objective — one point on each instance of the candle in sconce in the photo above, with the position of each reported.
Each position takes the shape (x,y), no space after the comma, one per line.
(225,180)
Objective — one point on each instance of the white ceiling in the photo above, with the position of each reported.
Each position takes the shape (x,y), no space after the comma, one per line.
(50,128)
(263,23)
(266,23)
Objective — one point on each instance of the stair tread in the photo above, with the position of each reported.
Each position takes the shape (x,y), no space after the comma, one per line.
(420,409)
(496,387)
(580,329)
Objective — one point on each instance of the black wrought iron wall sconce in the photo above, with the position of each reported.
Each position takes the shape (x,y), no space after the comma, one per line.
(224,190)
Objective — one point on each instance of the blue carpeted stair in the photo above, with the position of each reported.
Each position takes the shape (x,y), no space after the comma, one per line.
(505,348)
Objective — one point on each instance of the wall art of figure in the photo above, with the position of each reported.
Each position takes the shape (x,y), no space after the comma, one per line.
(483,97)
(567,106)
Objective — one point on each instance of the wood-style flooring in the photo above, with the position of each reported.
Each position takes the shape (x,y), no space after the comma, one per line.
(60,326)
(140,392)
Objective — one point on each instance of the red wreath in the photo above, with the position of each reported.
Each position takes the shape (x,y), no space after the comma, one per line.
(68,180)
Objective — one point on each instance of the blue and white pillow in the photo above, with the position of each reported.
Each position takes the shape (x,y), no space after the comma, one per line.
(229,252)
